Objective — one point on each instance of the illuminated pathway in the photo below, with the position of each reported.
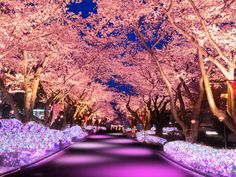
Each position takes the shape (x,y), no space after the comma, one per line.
(110,155)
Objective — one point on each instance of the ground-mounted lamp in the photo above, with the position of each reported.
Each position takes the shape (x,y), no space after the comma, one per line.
(224,96)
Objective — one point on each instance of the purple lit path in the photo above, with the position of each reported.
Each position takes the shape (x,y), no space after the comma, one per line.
(111,155)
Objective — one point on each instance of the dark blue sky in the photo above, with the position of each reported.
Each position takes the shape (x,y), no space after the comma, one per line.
(85,7)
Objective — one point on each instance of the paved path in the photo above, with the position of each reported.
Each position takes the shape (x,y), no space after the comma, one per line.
(111,155)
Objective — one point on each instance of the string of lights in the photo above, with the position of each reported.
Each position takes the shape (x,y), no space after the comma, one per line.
(21,144)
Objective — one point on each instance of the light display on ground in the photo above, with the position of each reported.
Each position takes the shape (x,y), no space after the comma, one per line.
(21,144)
(221,162)
(170,130)
(95,128)
(148,137)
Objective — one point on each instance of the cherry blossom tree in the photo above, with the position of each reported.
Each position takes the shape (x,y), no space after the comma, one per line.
(36,42)
(169,51)
(210,29)
(141,16)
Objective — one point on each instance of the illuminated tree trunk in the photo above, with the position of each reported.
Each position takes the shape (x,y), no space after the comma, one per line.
(31,88)
(228,118)
(220,114)
(194,127)
(181,101)
(231,107)
(31,85)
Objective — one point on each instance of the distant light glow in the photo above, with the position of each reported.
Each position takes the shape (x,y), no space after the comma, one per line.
(221,119)
(193,121)
(211,133)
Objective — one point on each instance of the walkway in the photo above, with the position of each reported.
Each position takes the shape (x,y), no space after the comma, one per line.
(110,155)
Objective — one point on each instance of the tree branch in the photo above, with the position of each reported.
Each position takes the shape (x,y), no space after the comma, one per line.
(208,34)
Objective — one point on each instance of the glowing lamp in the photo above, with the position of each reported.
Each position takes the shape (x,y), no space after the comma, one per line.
(193,121)
(224,96)
(211,133)
(221,119)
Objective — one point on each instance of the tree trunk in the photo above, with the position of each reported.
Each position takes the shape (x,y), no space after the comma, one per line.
(27,105)
(231,107)
(10,101)
(196,113)
(34,90)
(162,117)
(47,114)
(147,125)
(31,88)
(172,101)
(220,114)
(133,113)
(181,101)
